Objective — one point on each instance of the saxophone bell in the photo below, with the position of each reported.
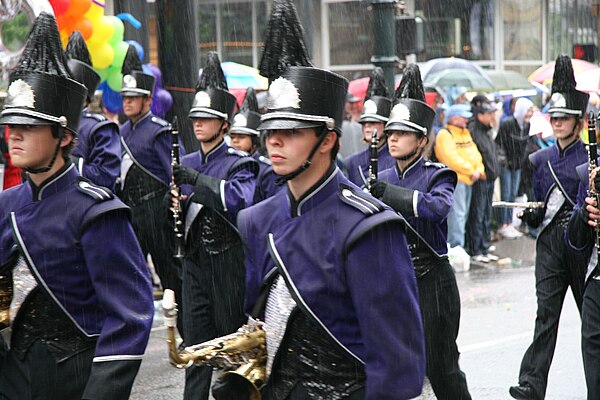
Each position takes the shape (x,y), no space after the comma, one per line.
(242,354)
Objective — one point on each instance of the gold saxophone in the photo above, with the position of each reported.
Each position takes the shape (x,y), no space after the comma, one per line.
(6,294)
(241,354)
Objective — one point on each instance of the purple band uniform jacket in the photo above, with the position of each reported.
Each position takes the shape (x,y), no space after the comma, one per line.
(357,165)
(149,145)
(427,200)
(98,150)
(79,245)
(348,260)
(553,164)
(236,172)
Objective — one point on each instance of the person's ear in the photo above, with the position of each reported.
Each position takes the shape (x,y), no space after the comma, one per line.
(67,138)
(328,142)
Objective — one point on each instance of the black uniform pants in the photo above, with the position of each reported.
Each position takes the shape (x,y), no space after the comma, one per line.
(440,311)
(555,270)
(39,377)
(213,300)
(590,337)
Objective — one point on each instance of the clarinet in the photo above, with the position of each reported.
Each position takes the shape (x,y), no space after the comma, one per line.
(373,159)
(177,212)
(592,151)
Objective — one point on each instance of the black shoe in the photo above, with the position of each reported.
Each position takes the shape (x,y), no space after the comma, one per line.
(522,392)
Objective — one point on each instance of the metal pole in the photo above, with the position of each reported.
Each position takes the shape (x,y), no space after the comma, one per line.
(384,35)
(178,56)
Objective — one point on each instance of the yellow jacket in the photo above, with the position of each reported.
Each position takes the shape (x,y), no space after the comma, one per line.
(455,148)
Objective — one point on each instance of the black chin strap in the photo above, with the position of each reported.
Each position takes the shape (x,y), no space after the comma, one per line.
(47,168)
(216,135)
(280,180)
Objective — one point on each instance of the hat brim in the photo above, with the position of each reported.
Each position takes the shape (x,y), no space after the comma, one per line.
(563,113)
(203,114)
(399,126)
(372,118)
(243,131)
(272,124)
(131,93)
(19,119)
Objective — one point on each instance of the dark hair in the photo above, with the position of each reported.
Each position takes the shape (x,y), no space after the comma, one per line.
(66,151)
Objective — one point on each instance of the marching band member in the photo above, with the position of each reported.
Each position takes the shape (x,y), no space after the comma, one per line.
(75,288)
(422,192)
(97,153)
(218,182)
(556,183)
(376,112)
(335,329)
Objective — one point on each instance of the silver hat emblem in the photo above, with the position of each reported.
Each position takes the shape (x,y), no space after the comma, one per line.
(202,99)
(283,94)
(20,94)
(240,121)
(558,100)
(129,81)
(370,107)
(400,113)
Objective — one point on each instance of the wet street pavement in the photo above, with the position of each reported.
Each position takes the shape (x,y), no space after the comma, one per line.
(498,314)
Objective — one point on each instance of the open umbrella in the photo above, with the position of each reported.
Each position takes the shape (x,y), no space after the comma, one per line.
(544,73)
(589,81)
(508,80)
(240,76)
(358,87)
(458,77)
(442,64)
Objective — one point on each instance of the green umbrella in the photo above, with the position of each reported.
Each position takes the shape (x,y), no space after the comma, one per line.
(458,77)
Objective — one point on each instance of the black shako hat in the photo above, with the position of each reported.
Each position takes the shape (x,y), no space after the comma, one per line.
(377,105)
(41,91)
(212,99)
(565,99)
(247,119)
(135,82)
(305,97)
(80,64)
(410,112)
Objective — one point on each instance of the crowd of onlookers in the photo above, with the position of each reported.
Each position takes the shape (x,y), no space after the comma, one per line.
(486,142)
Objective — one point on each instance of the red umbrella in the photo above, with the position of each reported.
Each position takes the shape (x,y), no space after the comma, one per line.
(544,73)
(358,87)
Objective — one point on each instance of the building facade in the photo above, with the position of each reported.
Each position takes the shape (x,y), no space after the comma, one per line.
(498,34)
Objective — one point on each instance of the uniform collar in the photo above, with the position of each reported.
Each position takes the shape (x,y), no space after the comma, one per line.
(569,148)
(216,151)
(138,122)
(55,183)
(410,169)
(316,194)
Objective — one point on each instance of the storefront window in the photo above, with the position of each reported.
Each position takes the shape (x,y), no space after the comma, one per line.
(233,28)
(522,29)
(350,33)
(466,29)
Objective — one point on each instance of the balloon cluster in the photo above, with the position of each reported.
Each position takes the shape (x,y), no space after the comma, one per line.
(104,37)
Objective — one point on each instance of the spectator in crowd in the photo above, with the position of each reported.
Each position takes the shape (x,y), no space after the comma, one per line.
(457,95)
(512,139)
(351,141)
(455,148)
(480,213)
(508,108)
